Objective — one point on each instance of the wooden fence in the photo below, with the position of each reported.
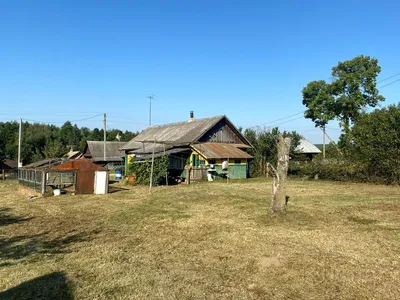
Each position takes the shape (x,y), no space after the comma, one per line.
(196,174)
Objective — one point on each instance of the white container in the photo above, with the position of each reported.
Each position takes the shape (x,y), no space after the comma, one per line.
(209,177)
(56,192)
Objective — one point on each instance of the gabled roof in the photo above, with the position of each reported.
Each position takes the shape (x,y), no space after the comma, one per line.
(219,150)
(182,133)
(175,135)
(10,163)
(78,164)
(95,151)
(306,147)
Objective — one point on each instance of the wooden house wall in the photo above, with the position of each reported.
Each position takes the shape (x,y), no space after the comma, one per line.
(238,168)
(221,133)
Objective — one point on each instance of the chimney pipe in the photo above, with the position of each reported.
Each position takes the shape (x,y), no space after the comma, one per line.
(191,116)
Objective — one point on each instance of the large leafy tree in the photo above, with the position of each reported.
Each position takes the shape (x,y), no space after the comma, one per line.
(70,135)
(376,143)
(320,102)
(352,90)
(54,148)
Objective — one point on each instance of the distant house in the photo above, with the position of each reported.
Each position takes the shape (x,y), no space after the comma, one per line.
(9,164)
(307,148)
(196,142)
(94,150)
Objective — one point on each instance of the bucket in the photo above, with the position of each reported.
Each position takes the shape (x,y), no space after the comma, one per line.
(132,179)
(118,175)
(56,192)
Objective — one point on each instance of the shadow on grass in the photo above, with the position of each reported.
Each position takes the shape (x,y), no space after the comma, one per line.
(114,189)
(294,219)
(362,221)
(51,286)
(16,248)
(7,219)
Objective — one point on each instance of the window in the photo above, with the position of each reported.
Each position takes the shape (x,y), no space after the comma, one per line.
(211,161)
(238,161)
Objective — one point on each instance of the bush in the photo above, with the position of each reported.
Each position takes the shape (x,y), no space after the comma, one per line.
(376,143)
(333,169)
(142,169)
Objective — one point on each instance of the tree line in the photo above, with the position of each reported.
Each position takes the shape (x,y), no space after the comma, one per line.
(48,141)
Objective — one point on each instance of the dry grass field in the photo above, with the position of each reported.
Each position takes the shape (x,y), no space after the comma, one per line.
(204,241)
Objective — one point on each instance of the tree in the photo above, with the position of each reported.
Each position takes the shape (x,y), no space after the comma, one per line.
(54,149)
(278,200)
(354,87)
(319,102)
(376,143)
(9,133)
(128,135)
(70,135)
(352,90)
(264,148)
(96,135)
(2,149)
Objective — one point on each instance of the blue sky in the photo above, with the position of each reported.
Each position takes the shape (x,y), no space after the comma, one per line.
(70,60)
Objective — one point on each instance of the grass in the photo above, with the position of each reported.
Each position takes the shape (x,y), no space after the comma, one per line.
(204,241)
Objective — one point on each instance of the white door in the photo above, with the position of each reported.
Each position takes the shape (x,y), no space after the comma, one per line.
(100,182)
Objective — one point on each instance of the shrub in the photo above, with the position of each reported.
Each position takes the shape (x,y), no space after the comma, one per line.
(142,169)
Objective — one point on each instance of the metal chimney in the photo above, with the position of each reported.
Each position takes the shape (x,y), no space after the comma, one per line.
(191,116)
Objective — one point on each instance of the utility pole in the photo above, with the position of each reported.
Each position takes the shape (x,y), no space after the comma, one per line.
(105,135)
(151,97)
(323,142)
(19,144)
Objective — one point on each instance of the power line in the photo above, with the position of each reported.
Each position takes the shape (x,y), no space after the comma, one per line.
(333,128)
(390,83)
(126,122)
(278,120)
(62,122)
(286,122)
(388,78)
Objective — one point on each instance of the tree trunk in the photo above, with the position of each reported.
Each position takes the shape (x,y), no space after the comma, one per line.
(278,201)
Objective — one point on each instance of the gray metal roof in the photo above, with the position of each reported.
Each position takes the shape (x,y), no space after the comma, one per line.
(175,134)
(167,152)
(307,147)
(96,149)
(219,150)
(43,164)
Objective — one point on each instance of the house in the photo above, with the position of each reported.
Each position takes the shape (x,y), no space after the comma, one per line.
(205,142)
(9,164)
(94,150)
(307,148)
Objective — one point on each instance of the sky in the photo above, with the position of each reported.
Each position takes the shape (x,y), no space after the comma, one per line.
(249,60)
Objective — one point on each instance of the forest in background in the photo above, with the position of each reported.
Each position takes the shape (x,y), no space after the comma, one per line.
(47,141)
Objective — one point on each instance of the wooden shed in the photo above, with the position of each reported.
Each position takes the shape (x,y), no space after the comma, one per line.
(89,177)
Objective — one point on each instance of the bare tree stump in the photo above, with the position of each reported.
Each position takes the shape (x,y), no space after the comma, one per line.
(279,175)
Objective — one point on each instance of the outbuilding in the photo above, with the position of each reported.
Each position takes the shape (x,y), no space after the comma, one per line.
(89,177)
(76,176)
